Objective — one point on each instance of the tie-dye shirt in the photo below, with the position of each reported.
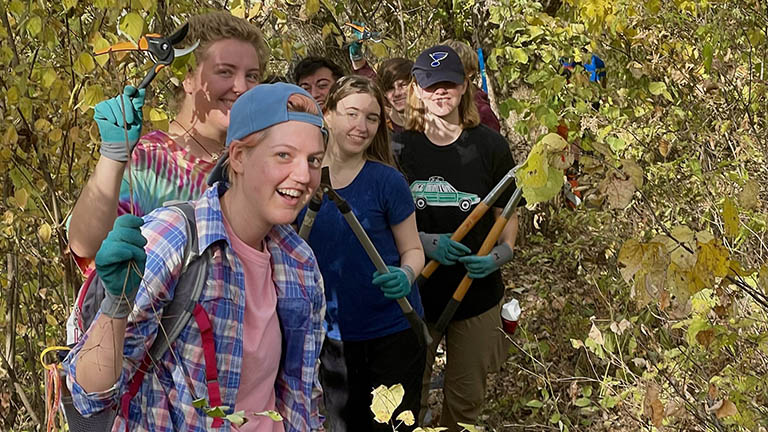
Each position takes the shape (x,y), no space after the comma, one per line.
(162,171)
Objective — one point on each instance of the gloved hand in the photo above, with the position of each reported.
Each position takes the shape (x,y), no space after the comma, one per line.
(442,249)
(356,47)
(109,118)
(479,267)
(395,284)
(123,245)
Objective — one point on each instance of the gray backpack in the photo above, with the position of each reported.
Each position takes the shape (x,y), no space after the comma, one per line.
(176,315)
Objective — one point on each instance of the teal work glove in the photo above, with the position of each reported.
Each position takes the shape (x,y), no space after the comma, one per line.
(123,245)
(356,47)
(479,267)
(395,284)
(442,249)
(109,118)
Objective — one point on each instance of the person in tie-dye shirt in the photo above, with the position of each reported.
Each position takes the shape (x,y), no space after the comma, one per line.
(173,165)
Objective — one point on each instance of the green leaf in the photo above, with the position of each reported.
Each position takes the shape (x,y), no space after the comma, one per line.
(582,402)
(49,76)
(273,415)
(534,403)
(216,412)
(554,418)
(237,418)
(132,25)
(656,88)
(707,52)
(519,55)
(93,94)
(200,403)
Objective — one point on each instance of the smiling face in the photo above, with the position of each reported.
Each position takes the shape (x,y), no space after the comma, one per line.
(442,99)
(354,122)
(318,84)
(397,95)
(228,69)
(276,171)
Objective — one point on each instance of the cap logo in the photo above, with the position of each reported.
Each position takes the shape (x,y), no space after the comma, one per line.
(437,56)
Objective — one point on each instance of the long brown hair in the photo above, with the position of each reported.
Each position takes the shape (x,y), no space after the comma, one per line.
(379,150)
(415,111)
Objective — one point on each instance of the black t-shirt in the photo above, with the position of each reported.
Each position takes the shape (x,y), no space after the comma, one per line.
(447,182)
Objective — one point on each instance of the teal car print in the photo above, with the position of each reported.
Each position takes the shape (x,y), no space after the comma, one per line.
(438,192)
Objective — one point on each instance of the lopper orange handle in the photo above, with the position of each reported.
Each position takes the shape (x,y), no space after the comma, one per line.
(485,249)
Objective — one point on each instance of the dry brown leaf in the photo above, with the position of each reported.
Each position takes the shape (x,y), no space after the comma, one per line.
(712,392)
(617,191)
(663,147)
(653,409)
(727,409)
(596,335)
(705,337)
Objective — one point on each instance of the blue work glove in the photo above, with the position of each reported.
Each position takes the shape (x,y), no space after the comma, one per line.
(395,284)
(442,249)
(123,245)
(109,118)
(356,47)
(479,267)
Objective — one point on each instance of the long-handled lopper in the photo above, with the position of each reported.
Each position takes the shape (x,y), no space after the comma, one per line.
(472,219)
(160,49)
(418,326)
(485,249)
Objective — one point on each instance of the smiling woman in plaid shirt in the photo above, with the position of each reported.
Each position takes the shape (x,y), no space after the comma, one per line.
(263,297)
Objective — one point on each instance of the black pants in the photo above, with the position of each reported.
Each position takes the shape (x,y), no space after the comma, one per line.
(389,360)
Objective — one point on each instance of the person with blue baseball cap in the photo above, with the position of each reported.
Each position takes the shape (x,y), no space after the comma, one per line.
(451,161)
(255,341)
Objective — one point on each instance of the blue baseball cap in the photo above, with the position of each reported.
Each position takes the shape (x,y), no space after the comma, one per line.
(259,108)
(438,64)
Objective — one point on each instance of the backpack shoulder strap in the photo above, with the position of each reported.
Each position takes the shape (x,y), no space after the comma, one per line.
(189,287)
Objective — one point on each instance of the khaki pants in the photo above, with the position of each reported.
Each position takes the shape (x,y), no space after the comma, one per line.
(474,347)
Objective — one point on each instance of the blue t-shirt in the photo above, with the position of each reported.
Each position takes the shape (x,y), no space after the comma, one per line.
(357,309)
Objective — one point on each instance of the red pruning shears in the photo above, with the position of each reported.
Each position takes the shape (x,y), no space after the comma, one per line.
(159,48)
(365,34)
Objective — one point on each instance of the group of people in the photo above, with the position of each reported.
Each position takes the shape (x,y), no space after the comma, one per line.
(301,328)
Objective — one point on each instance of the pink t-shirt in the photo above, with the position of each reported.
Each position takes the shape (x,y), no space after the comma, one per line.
(262,340)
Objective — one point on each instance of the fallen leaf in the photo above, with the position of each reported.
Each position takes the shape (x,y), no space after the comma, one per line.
(596,335)
(727,409)
(653,409)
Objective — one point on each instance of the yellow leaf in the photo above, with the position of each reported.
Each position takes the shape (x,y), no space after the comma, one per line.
(273,415)
(132,25)
(313,6)
(55,135)
(749,195)
(34,25)
(84,63)
(93,95)
(21,196)
(44,232)
(12,95)
(663,147)
(327,30)
(631,255)
(286,45)
(385,401)
(469,427)
(730,219)
(159,119)
(727,409)
(99,43)
(42,125)
(11,137)
(237,8)
(407,418)
(255,9)
(378,49)
(49,77)
(633,170)
(51,320)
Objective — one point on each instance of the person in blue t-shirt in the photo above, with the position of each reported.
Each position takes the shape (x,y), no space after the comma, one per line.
(369,341)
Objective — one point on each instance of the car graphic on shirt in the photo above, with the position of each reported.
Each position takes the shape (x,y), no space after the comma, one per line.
(438,192)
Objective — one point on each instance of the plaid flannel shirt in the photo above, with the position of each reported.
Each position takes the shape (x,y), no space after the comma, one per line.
(164,401)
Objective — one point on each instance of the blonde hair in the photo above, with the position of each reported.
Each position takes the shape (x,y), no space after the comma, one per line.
(415,111)
(212,27)
(467,55)
(296,103)
(379,150)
